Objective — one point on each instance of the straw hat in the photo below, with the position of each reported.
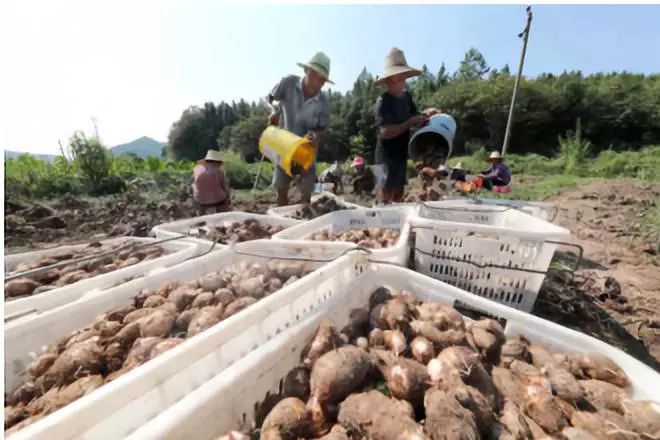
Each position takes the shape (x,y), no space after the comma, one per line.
(395,64)
(459,166)
(495,155)
(319,63)
(212,155)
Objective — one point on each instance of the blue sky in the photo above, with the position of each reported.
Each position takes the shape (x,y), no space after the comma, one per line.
(136,65)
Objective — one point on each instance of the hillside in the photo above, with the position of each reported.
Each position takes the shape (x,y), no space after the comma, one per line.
(143,147)
(15,154)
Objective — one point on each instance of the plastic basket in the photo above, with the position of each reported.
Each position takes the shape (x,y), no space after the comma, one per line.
(499,253)
(289,211)
(178,251)
(543,210)
(229,399)
(123,405)
(338,221)
(189,226)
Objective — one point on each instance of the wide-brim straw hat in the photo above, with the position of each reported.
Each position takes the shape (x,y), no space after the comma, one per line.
(395,64)
(459,166)
(319,63)
(212,155)
(495,155)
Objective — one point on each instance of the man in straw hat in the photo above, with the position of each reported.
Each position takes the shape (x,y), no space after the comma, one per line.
(497,174)
(396,115)
(210,187)
(303,110)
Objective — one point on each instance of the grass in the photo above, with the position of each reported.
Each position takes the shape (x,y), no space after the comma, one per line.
(540,189)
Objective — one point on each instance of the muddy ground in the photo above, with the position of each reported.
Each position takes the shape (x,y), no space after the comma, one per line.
(614,296)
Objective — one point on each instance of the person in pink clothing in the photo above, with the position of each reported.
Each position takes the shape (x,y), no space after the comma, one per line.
(210,188)
(362,178)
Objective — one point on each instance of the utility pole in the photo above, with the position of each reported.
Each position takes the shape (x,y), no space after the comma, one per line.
(96,129)
(524,35)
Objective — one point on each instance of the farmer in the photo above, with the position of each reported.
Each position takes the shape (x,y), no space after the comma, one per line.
(211,188)
(396,114)
(497,174)
(333,174)
(362,178)
(303,110)
(458,173)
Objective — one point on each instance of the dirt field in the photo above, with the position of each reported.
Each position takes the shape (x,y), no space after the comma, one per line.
(614,296)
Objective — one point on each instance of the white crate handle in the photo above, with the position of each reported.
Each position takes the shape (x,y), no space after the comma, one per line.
(500,266)
(314,260)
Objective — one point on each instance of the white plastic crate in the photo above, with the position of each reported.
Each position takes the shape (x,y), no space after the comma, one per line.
(188,226)
(543,210)
(123,405)
(495,252)
(339,221)
(290,210)
(178,251)
(230,398)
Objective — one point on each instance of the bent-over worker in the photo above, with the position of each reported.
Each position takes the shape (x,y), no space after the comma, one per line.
(211,190)
(362,178)
(497,174)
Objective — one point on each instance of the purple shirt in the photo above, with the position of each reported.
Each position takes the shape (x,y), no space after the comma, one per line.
(210,185)
(499,170)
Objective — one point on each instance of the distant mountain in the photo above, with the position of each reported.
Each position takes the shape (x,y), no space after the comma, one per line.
(143,147)
(15,154)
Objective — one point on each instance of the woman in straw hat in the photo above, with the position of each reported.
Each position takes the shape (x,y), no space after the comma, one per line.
(396,115)
(302,110)
(497,174)
(210,188)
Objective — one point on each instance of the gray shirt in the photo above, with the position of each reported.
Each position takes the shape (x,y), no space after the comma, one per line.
(300,116)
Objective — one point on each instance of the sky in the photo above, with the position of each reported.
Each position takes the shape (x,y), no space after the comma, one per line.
(134,66)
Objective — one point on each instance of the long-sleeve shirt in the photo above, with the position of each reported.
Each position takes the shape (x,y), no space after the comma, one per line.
(498,170)
(210,184)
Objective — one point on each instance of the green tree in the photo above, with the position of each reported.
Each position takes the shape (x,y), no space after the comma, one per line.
(92,160)
(472,67)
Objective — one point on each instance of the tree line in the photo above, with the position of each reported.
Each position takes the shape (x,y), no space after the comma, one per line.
(617,110)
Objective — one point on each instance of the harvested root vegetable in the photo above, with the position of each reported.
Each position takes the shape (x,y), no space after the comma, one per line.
(395,340)
(396,313)
(595,366)
(319,206)
(480,385)
(288,420)
(372,238)
(514,349)
(51,279)
(406,379)
(338,373)
(204,319)
(604,395)
(486,336)
(563,382)
(643,416)
(446,418)
(422,350)
(372,415)
(324,341)
(537,397)
(246,230)
(122,339)
(296,383)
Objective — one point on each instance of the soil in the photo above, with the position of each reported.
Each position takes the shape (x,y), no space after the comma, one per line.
(614,295)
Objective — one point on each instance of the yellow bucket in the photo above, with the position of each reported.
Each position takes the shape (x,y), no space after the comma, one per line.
(290,152)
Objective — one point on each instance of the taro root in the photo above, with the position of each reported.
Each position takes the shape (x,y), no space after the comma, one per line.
(373,415)
(206,318)
(296,384)
(373,238)
(20,287)
(289,419)
(238,305)
(324,341)
(446,418)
